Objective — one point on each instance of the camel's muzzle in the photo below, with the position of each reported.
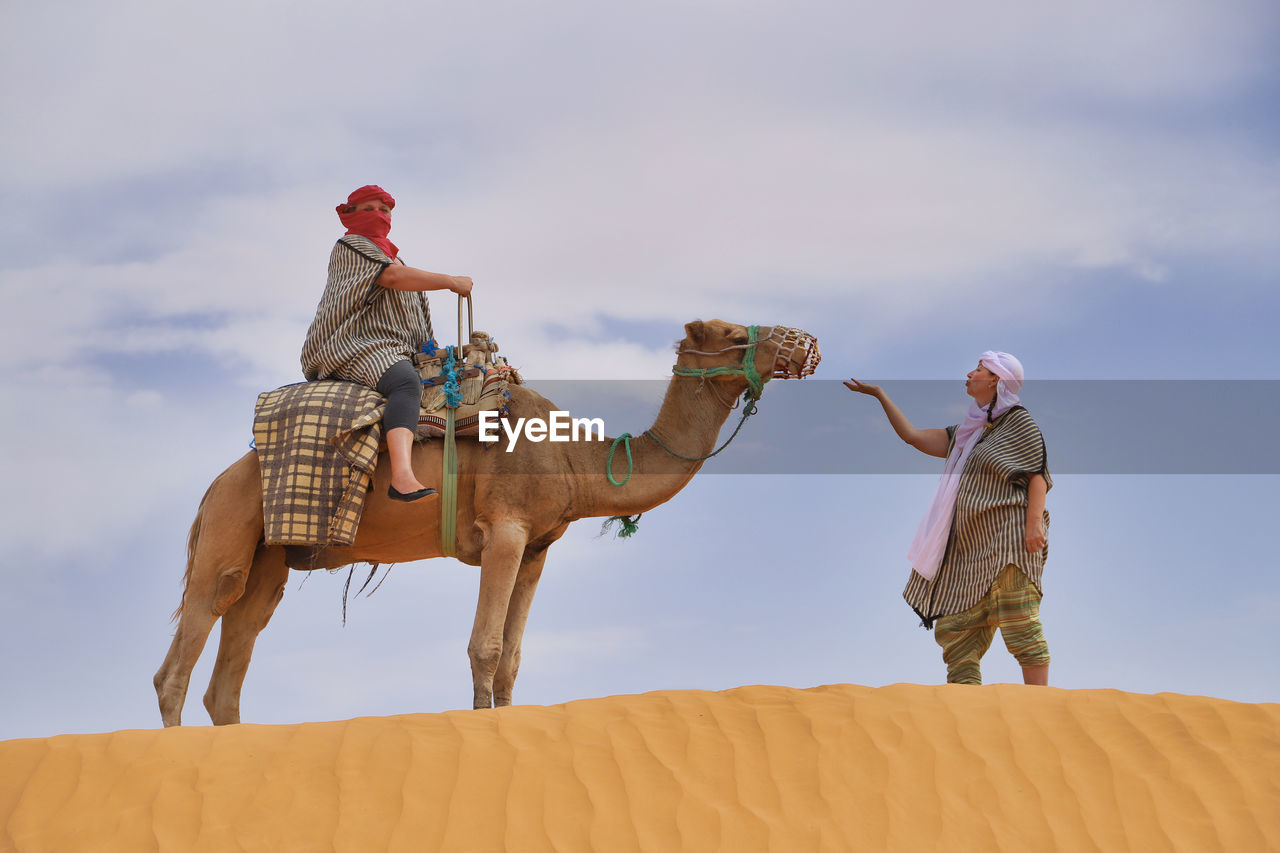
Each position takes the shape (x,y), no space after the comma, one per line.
(798,355)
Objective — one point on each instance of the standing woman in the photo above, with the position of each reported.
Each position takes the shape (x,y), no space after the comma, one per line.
(978,556)
(372,318)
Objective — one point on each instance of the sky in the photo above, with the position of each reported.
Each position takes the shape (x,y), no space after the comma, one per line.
(1093,187)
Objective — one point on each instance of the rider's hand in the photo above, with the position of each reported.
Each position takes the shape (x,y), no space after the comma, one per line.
(462,285)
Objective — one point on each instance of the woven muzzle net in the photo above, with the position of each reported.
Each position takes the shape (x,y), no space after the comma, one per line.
(798,355)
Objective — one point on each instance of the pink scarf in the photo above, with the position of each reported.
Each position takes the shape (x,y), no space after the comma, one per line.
(930,543)
(373,224)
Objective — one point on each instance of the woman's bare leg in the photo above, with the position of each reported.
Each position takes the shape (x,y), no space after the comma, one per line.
(400,448)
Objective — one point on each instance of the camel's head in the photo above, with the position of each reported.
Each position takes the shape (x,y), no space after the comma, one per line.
(746,355)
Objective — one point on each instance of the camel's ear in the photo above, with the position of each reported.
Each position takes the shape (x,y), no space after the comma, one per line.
(693,332)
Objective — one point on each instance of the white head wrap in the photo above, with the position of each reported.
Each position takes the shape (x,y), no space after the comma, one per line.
(930,543)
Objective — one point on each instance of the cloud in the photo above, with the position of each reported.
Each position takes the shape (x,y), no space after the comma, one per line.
(177,171)
(100,465)
(735,222)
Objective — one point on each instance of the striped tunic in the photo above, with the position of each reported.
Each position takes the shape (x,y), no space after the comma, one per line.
(362,328)
(989,526)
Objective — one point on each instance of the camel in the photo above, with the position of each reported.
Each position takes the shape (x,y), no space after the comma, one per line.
(512,506)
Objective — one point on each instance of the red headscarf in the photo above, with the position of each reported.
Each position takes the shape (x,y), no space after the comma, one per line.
(373,224)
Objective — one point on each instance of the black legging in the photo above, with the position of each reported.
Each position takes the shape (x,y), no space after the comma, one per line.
(403,390)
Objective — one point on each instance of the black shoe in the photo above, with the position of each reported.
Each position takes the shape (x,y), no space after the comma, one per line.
(411,496)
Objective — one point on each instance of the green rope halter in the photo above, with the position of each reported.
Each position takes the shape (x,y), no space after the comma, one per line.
(755,388)
(755,382)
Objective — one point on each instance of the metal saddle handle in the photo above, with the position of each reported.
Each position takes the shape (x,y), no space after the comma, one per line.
(490,357)
(471,325)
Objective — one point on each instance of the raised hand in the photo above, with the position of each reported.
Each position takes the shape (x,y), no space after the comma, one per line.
(863,387)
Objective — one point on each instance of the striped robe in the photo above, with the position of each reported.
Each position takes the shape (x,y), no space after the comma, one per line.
(362,328)
(989,526)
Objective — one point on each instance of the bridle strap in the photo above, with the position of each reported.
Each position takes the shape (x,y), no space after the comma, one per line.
(755,382)
(787,340)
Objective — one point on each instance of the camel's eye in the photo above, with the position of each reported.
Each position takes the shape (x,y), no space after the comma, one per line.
(740,340)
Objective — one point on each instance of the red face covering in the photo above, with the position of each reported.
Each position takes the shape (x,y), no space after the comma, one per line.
(372,224)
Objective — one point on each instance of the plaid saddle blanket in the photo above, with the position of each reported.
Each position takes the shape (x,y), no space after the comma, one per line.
(318,441)
(317,444)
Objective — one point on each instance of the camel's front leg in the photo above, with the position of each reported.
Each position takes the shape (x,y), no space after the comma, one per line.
(499,566)
(513,633)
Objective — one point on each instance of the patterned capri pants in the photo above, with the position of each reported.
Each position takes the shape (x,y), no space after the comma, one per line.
(1013,606)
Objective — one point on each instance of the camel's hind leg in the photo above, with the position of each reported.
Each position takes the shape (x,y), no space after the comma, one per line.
(175,673)
(220,552)
(241,625)
(210,591)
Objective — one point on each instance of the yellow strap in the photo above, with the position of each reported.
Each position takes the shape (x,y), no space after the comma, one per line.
(449,490)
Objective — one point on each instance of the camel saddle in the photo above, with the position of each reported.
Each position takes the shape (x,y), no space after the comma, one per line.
(481,377)
(318,441)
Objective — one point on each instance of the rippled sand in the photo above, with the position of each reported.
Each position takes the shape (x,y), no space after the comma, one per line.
(906,767)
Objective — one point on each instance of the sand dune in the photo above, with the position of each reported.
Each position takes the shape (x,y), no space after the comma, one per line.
(843,767)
